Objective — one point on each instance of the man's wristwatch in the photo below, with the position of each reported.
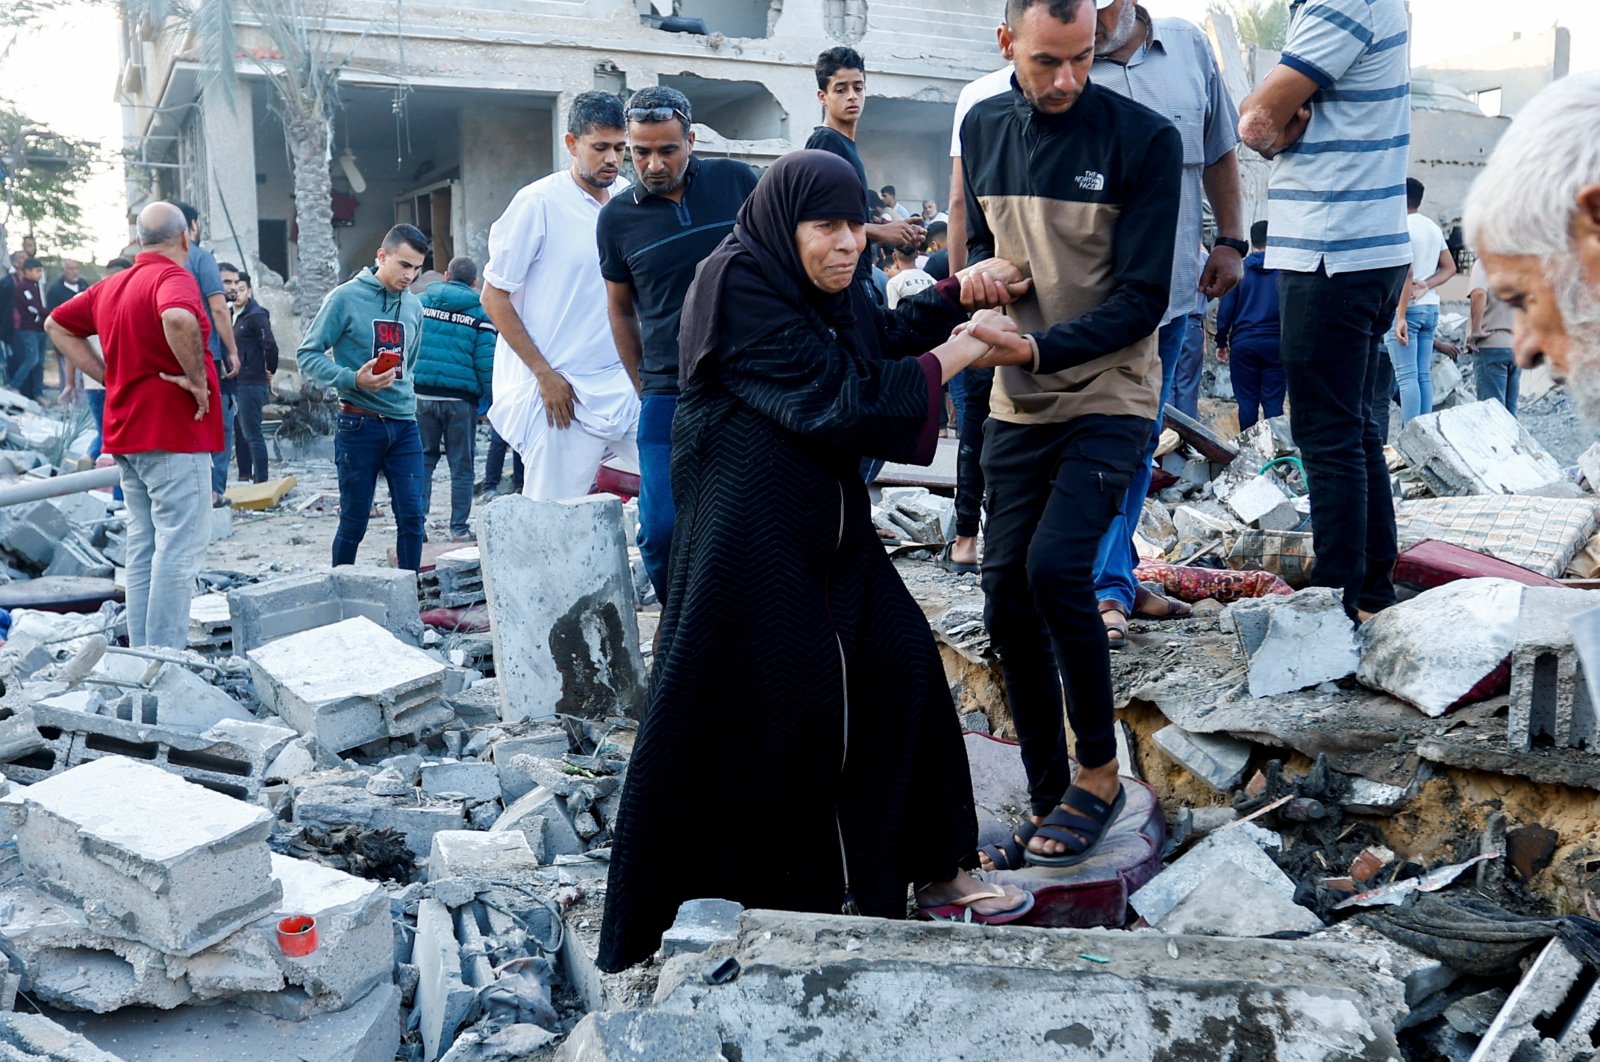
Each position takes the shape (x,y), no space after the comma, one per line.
(1233,244)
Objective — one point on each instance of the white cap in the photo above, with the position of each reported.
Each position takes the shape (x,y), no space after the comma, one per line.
(1101,5)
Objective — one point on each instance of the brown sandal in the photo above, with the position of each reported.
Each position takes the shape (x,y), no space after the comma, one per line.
(1175,609)
(1116,630)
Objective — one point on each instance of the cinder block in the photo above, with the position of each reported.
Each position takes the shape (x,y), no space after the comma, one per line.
(542,818)
(515,784)
(386,596)
(443,998)
(150,855)
(476,781)
(280,607)
(349,683)
(1550,702)
(501,856)
(1476,449)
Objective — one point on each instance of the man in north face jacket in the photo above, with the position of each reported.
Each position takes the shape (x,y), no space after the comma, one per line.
(453,372)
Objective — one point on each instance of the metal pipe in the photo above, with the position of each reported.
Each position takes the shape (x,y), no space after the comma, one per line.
(29,489)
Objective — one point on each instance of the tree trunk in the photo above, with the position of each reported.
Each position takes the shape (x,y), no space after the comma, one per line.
(310,137)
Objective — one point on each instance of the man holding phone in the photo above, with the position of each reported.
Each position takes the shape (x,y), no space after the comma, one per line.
(363,344)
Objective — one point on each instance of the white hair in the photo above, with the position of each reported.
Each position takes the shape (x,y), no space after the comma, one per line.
(1523,202)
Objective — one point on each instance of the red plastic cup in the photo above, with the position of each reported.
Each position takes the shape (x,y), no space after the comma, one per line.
(297,935)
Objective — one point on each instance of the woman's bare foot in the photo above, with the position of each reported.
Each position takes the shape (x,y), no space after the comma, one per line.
(964,550)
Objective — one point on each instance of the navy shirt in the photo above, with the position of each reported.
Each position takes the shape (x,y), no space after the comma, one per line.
(655,244)
(836,143)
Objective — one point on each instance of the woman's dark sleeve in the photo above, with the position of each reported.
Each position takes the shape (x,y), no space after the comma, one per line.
(923,321)
(814,388)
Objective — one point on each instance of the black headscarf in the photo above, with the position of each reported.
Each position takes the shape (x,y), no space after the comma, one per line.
(754,283)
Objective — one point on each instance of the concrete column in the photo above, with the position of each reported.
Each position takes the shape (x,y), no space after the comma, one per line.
(501,150)
(229,219)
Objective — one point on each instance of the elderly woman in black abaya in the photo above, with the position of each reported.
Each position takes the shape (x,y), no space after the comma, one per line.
(800,750)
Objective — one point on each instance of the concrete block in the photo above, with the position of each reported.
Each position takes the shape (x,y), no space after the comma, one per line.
(545,742)
(325,806)
(1307,639)
(642,1036)
(27,1037)
(1216,759)
(1255,498)
(1229,902)
(1476,449)
(1550,702)
(1226,846)
(1367,797)
(541,816)
(295,603)
(561,601)
(701,924)
(269,610)
(1404,654)
(367,1031)
(502,856)
(349,683)
(188,702)
(1422,975)
(157,858)
(1526,1027)
(210,624)
(355,951)
(881,990)
(443,998)
(476,781)
(75,556)
(1193,524)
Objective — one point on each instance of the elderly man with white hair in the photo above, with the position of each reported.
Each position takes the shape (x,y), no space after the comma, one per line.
(1533,218)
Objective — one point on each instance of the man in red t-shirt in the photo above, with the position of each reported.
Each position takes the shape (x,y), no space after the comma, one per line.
(163,417)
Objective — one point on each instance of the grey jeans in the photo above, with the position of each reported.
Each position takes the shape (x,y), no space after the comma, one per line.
(169,526)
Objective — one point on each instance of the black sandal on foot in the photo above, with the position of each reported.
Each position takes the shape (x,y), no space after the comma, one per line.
(1080,823)
(1010,854)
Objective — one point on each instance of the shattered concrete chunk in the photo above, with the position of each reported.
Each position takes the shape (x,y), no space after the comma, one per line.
(150,855)
(35,1037)
(309,679)
(1231,902)
(1549,690)
(473,780)
(1404,654)
(1226,846)
(443,998)
(642,1036)
(1476,449)
(542,818)
(502,856)
(565,640)
(1295,642)
(1216,759)
(700,925)
(326,806)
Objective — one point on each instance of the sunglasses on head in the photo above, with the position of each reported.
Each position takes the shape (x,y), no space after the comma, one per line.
(656,114)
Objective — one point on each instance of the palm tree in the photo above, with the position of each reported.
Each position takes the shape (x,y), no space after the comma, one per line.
(303,72)
(1263,23)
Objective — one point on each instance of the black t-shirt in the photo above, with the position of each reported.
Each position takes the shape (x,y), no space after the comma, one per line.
(938,264)
(655,245)
(831,140)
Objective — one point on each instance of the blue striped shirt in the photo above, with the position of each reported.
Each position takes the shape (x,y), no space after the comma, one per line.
(1337,199)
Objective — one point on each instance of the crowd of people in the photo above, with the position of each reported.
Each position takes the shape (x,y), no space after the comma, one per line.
(730,333)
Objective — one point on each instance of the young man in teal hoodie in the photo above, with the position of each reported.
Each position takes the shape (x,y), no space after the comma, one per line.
(455,371)
(367,324)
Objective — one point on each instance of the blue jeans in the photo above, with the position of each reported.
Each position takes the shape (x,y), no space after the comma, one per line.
(362,448)
(25,373)
(449,426)
(656,511)
(248,441)
(1184,388)
(1413,362)
(96,397)
(958,398)
(1116,559)
(224,457)
(1258,383)
(1494,370)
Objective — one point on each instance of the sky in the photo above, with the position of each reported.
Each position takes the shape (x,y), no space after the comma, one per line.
(70,70)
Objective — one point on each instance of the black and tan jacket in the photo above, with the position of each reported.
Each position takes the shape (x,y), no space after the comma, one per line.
(1086,203)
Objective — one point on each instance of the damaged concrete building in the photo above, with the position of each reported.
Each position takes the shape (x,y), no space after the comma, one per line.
(445,110)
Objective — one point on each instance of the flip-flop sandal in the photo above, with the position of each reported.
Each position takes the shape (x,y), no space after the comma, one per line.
(950,564)
(1008,854)
(959,911)
(1175,609)
(1085,834)
(1116,630)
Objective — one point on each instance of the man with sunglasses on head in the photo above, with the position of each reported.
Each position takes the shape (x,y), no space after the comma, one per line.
(652,237)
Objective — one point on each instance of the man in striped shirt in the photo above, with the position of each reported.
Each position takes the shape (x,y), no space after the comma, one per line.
(1335,114)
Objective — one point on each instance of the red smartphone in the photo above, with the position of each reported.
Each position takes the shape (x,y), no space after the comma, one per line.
(386,361)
